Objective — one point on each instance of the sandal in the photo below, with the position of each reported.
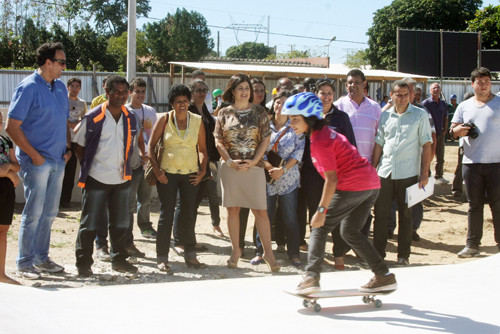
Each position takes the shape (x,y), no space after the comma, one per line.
(165,268)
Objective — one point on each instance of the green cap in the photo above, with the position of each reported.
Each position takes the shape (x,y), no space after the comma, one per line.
(217,92)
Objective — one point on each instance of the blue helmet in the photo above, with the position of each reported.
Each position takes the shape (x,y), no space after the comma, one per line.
(306,104)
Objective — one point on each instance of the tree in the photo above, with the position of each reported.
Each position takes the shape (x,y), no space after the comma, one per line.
(117,48)
(356,59)
(409,14)
(91,49)
(487,21)
(183,36)
(111,16)
(248,50)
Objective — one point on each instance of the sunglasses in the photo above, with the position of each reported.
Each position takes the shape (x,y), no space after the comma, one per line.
(60,61)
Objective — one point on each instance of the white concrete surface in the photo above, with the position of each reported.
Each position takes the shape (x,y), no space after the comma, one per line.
(432,299)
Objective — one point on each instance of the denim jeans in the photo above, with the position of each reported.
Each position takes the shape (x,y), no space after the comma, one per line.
(140,198)
(389,190)
(97,198)
(482,181)
(287,204)
(350,209)
(167,193)
(458,179)
(42,191)
(69,180)
(417,213)
(439,155)
(209,188)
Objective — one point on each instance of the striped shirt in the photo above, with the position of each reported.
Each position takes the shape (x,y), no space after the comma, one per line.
(401,137)
(364,119)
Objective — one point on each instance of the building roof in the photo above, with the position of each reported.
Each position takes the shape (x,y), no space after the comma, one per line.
(333,72)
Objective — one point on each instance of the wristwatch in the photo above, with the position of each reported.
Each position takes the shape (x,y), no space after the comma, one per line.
(284,169)
(322,209)
(229,162)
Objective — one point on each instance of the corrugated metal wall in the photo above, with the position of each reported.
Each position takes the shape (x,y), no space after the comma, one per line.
(9,79)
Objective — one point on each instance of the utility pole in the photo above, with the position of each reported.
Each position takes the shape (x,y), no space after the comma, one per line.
(131,41)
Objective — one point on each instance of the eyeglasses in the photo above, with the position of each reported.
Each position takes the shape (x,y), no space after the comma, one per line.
(60,61)
(201,91)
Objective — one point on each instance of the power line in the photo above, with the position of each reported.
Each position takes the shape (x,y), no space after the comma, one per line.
(275,33)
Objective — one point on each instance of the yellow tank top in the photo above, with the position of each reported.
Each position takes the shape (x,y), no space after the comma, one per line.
(180,153)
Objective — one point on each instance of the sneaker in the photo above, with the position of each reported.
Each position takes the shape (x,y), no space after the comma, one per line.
(102,254)
(402,262)
(380,283)
(84,272)
(133,251)
(280,249)
(415,236)
(308,285)
(441,180)
(304,247)
(49,266)
(179,250)
(149,233)
(468,252)
(123,267)
(28,273)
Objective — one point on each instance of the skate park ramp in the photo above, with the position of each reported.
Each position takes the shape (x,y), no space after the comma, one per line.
(459,298)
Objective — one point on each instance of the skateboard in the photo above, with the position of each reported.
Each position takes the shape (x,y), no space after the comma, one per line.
(311,300)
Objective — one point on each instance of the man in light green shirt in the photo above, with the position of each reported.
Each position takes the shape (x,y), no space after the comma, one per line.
(402,152)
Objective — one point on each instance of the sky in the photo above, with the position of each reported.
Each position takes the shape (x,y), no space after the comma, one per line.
(312,24)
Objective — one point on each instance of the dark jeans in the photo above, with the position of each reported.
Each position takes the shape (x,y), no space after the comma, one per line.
(458,179)
(209,188)
(439,155)
(167,193)
(349,209)
(302,215)
(244,212)
(140,199)
(417,213)
(389,190)
(482,181)
(313,189)
(288,207)
(69,180)
(97,198)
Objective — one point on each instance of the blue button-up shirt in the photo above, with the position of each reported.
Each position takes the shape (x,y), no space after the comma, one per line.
(402,137)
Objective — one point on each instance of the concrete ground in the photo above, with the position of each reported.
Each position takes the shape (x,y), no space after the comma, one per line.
(459,298)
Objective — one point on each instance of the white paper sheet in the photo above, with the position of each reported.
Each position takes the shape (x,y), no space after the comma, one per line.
(414,194)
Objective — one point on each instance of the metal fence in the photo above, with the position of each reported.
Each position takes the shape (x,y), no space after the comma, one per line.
(160,83)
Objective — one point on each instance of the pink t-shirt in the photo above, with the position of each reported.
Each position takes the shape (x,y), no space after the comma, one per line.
(332,151)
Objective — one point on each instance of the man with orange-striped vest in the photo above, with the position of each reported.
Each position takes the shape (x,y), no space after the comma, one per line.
(104,145)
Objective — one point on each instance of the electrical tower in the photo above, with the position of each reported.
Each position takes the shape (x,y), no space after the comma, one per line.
(256,28)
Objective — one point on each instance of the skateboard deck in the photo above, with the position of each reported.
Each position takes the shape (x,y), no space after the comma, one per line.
(367,297)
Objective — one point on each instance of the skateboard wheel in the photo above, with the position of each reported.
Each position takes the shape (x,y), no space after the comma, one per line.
(305,303)
(378,303)
(317,307)
(366,299)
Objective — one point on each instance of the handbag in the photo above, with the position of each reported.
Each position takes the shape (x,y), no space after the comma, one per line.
(149,174)
(274,158)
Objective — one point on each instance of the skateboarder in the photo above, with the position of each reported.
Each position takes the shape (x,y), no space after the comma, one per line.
(350,190)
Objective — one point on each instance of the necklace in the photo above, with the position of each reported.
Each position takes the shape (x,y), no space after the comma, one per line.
(177,127)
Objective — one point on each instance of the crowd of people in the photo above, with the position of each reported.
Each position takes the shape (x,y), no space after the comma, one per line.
(302,160)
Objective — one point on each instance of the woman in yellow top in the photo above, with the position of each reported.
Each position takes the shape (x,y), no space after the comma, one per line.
(242,135)
(181,169)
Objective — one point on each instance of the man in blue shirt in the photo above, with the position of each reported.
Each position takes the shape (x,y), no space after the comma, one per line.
(37,123)
(401,153)
(439,111)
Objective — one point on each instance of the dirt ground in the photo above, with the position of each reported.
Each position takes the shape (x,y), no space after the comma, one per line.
(443,234)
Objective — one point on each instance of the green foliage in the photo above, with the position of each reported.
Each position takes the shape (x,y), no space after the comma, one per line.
(487,21)
(110,16)
(409,14)
(183,36)
(356,59)
(248,50)
(117,48)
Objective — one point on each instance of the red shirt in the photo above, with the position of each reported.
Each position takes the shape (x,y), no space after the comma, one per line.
(332,151)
